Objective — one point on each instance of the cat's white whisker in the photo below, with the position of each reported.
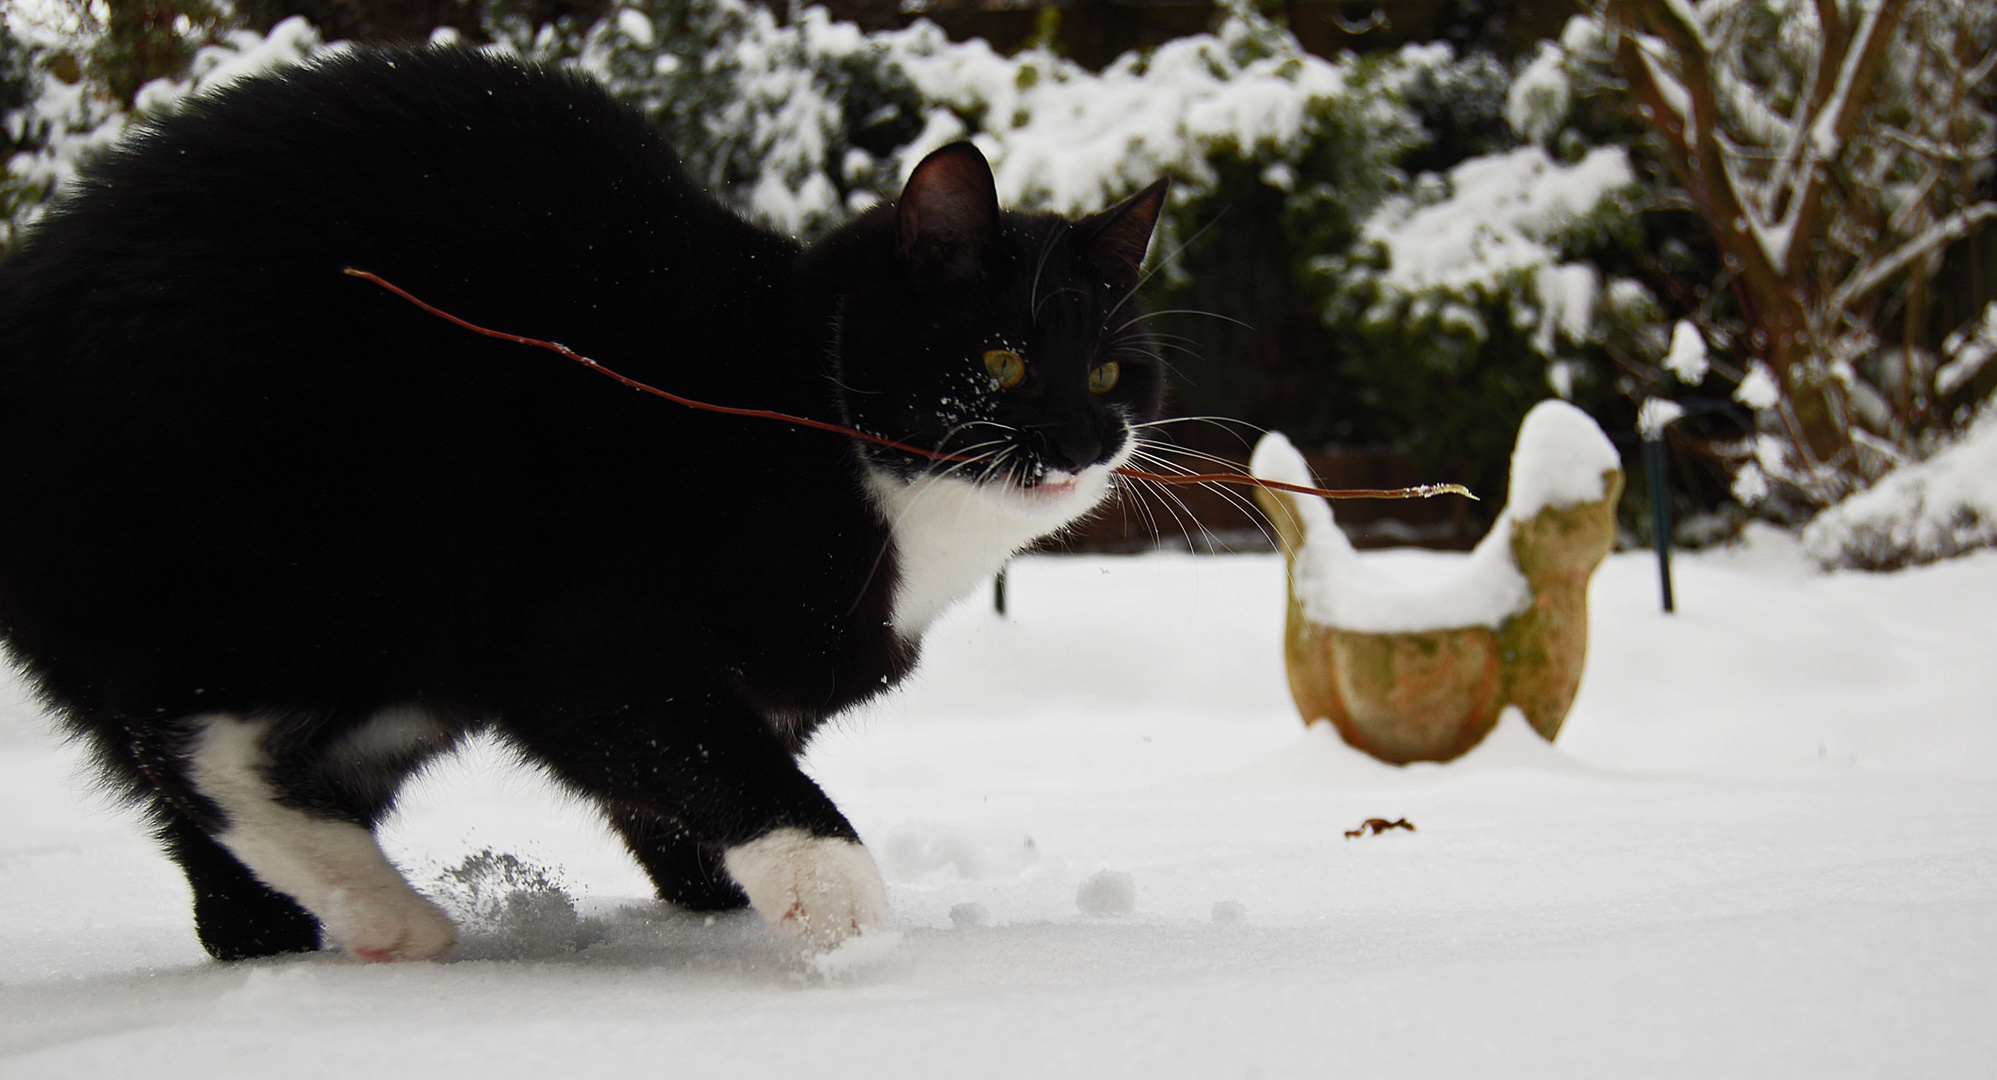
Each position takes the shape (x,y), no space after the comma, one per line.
(1242,502)
(1149,315)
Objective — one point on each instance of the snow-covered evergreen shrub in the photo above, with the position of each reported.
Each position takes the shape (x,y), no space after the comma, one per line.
(20,84)
(800,125)
(1935,509)
(807,123)
(1494,278)
(67,120)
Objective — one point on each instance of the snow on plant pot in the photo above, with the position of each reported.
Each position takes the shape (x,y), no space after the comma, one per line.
(1418,668)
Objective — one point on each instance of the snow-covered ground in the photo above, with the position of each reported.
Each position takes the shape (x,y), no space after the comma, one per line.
(1765,846)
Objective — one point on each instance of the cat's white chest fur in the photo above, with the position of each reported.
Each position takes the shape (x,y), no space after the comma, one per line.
(951,534)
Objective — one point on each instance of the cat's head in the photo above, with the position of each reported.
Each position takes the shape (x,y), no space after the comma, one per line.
(1013,341)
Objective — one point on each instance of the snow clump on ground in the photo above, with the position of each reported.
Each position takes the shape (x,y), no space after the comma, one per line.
(1107,892)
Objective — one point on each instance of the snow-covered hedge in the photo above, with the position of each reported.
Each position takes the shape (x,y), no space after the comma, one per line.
(807,123)
(1487,233)
(1936,509)
(64,124)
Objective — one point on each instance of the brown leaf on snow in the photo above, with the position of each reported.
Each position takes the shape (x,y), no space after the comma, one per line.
(1378,825)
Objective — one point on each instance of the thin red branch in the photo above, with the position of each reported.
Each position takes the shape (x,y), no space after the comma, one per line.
(1422,491)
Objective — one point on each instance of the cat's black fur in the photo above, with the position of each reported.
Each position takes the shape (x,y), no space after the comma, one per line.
(235,482)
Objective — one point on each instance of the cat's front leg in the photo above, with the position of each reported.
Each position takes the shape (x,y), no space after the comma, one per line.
(712,767)
(685,871)
(817,889)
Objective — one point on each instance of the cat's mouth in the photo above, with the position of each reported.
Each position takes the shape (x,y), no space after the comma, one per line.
(1052,485)
(1054,491)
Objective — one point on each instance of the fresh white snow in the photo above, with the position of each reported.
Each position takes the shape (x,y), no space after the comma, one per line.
(1765,845)
(1758,390)
(1687,356)
(1968,349)
(1465,238)
(1559,460)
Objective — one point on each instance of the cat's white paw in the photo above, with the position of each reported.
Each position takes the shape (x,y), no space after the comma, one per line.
(819,890)
(387,925)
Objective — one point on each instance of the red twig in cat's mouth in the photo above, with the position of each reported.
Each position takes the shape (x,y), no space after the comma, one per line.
(1421,491)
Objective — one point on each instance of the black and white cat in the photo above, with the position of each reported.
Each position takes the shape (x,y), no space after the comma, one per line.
(271,537)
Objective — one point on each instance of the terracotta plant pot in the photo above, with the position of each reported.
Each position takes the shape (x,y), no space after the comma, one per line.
(1419,670)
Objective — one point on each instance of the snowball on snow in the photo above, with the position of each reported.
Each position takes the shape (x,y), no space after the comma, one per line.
(1229,911)
(1107,892)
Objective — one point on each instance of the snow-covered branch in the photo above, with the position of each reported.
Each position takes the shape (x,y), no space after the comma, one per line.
(1946,231)
(1839,112)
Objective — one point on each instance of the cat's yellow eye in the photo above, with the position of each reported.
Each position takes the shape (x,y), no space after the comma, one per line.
(1103,379)
(1006,367)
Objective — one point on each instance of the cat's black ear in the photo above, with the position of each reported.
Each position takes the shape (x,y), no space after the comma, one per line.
(948,213)
(1116,238)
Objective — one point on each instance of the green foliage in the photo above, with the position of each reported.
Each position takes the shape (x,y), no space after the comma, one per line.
(799,124)
(143,40)
(19,82)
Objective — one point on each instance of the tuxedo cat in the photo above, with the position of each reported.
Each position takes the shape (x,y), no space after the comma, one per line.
(272,537)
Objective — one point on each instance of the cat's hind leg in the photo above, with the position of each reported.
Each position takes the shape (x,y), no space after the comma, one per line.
(285,818)
(236,916)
